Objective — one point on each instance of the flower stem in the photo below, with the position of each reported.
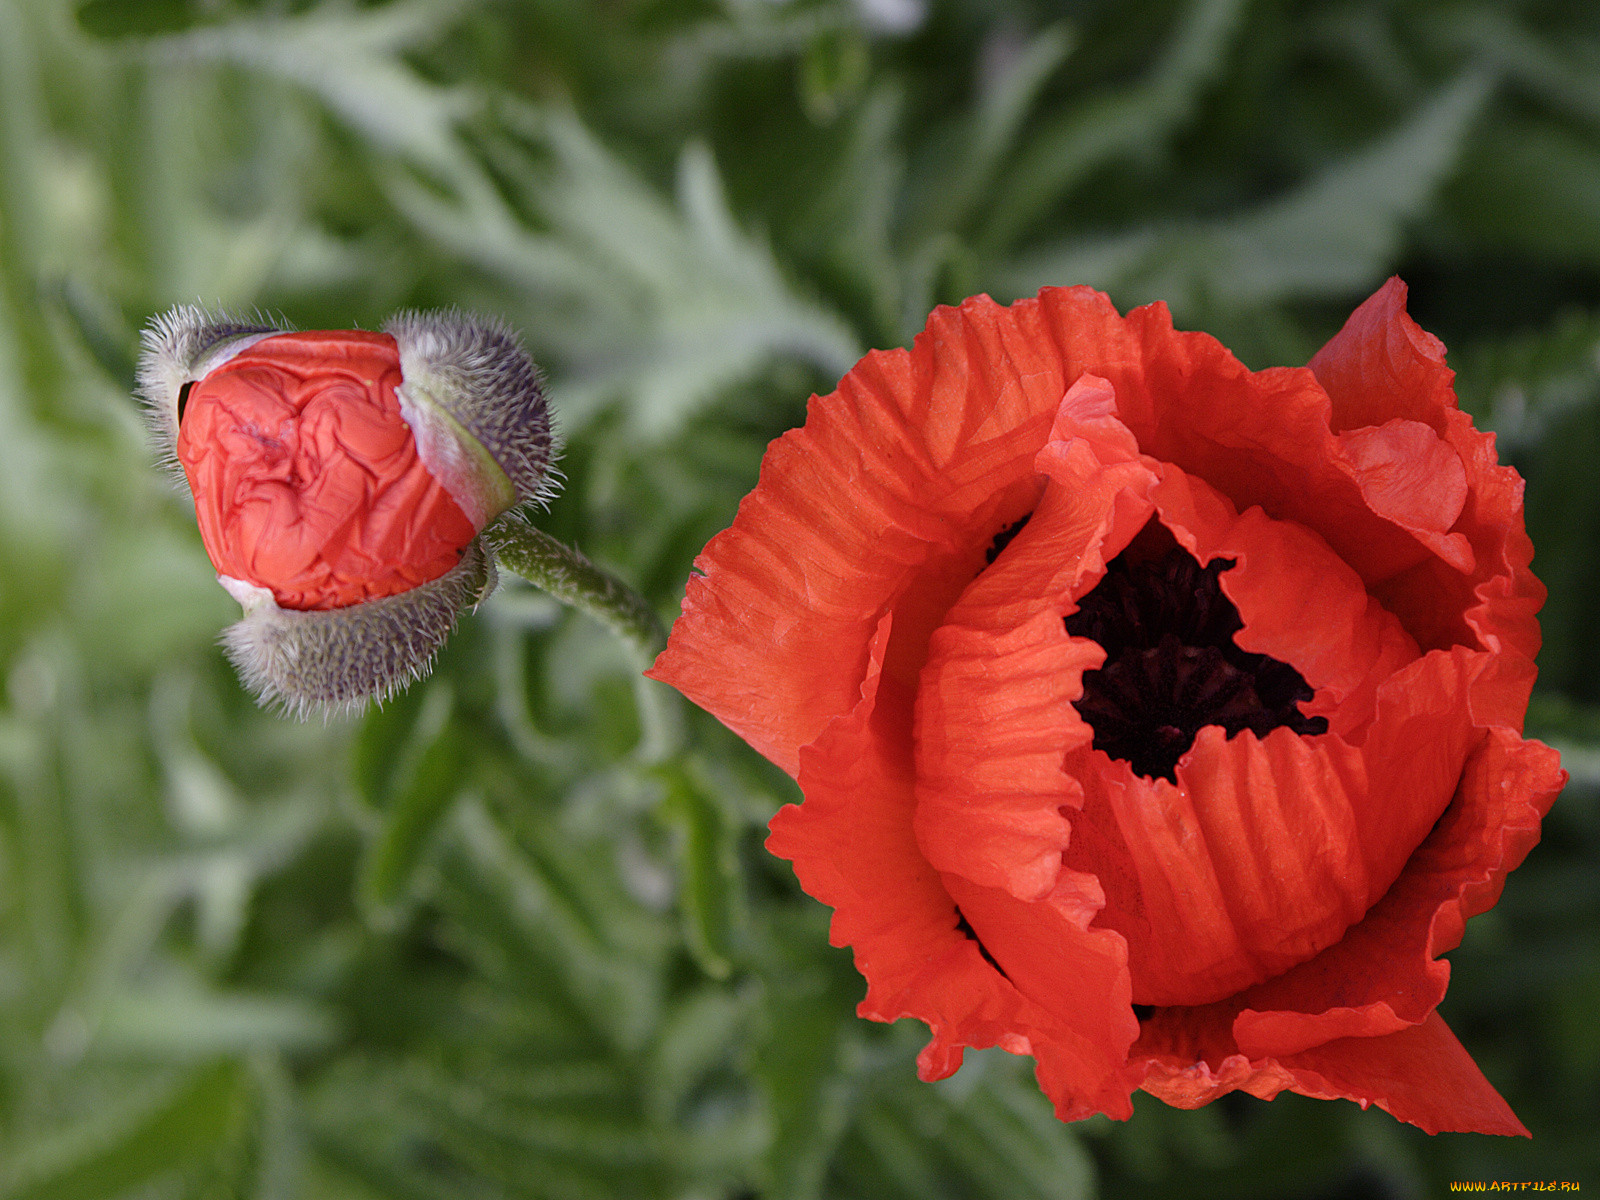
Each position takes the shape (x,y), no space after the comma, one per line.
(568,575)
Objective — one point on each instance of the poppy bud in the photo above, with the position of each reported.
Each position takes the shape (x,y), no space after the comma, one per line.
(341,481)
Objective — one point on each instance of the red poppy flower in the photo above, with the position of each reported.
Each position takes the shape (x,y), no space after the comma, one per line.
(1154,717)
(341,480)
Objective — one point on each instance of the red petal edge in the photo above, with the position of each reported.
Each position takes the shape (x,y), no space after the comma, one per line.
(1310,1028)
(854,848)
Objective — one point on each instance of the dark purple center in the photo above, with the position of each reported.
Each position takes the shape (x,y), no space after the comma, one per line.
(1172,666)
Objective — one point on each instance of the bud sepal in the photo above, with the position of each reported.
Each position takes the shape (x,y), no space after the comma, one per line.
(180,348)
(331,662)
(476,403)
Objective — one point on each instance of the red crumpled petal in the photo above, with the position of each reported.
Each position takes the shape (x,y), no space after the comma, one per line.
(1259,438)
(903,474)
(1386,972)
(1299,601)
(1383,976)
(1270,848)
(1419,1074)
(1271,438)
(994,703)
(923,455)
(306,477)
(1412,477)
(1380,367)
(853,847)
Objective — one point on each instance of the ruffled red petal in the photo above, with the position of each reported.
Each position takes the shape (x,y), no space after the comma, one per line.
(1270,848)
(1271,439)
(994,702)
(920,456)
(1385,972)
(853,847)
(1079,1019)
(1259,438)
(306,477)
(899,478)
(1419,1074)
(1381,367)
(1299,601)
(1383,976)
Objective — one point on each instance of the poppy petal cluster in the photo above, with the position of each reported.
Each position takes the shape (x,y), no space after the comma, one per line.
(1154,717)
(341,481)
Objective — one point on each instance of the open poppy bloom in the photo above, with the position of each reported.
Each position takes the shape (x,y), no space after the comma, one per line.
(1154,717)
(341,481)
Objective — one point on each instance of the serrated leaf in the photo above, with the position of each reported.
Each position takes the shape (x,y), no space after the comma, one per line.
(133,18)
(349,58)
(1334,235)
(1532,187)
(387,746)
(1008,1136)
(1522,386)
(698,1034)
(987,1131)
(849,222)
(653,306)
(571,927)
(1111,125)
(800,1063)
(1563,69)
(959,183)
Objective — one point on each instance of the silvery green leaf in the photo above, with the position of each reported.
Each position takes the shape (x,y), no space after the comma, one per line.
(1328,237)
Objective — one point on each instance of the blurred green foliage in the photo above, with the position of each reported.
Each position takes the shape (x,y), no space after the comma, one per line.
(475,946)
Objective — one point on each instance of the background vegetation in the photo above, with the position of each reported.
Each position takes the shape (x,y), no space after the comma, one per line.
(473,946)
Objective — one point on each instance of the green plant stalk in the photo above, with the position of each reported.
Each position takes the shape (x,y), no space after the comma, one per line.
(568,575)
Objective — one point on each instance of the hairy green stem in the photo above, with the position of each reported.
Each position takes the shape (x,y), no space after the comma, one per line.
(568,575)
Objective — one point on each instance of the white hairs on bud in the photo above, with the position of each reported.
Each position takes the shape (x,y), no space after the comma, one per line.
(333,661)
(476,369)
(181,347)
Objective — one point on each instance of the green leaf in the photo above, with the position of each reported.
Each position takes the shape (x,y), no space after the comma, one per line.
(709,896)
(1061,154)
(115,1152)
(806,1055)
(350,59)
(385,750)
(965,172)
(1563,69)
(699,1035)
(439,754)
(178,1020)
(1532,188)
(1524,385)
(653,306)
(986,1131)
(1008,1135)
(1332,236)
(554,912)
(139,18)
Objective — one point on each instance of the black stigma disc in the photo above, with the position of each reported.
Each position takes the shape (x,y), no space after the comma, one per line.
(1172,666)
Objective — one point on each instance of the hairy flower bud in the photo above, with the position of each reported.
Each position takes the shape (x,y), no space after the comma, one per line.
(341,481)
